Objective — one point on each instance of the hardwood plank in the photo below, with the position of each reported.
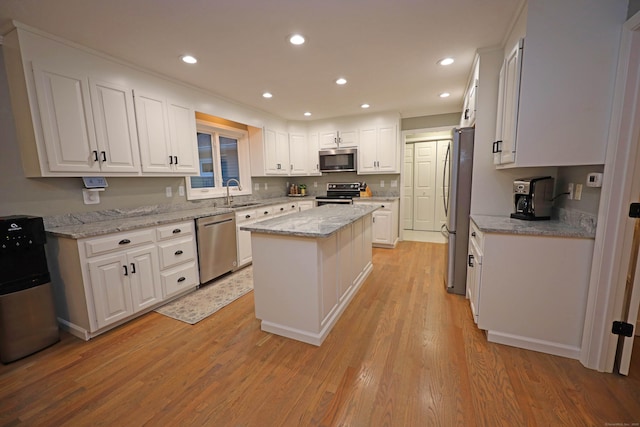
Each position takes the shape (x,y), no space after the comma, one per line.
(404,353)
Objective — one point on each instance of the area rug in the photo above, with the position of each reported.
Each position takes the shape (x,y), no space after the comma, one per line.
(210,298)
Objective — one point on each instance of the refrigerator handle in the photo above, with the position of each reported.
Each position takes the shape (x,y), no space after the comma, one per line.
(445,189)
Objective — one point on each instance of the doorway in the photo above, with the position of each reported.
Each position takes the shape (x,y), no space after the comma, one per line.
(424,189)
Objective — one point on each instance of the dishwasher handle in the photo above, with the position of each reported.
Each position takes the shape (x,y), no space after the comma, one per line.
(209,224)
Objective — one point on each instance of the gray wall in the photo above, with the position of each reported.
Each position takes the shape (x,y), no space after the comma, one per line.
(634,7)
(578,175)
(52,196)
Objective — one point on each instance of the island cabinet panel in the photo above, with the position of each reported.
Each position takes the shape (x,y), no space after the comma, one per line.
(303,284)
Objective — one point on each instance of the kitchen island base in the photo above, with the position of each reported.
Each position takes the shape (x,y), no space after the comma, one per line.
(303,284)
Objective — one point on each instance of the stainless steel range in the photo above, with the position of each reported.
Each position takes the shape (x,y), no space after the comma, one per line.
(340,193)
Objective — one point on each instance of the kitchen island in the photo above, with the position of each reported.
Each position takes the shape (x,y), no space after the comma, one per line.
(308,266)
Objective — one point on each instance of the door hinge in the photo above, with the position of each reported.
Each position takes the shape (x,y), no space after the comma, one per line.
(634,210)
(622,328)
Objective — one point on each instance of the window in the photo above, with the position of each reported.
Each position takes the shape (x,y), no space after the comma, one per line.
(224,160)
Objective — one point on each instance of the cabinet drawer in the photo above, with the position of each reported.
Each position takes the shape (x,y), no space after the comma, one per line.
(175,230)
(176,252)
(101,245)
(179,279)
(264,212)
(245,216)
(279,209)
(475,235)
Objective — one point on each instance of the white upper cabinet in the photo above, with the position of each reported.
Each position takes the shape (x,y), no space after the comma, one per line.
(87,125)
(313,148)
(469,107)
(569,59)
(379,150)
(330,139)
(269,150)
(298,154)
(504,147)
(167,131)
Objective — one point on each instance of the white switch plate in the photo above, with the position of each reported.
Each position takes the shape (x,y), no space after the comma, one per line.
(181,190)
(266,186)
(168,191)
(382,183)
(394,183)
(315,184)
(256,186)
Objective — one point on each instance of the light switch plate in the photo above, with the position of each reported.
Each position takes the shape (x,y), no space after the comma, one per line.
(168,191)
(256,186)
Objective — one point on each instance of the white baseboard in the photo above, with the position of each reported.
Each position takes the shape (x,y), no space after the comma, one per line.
(527,343)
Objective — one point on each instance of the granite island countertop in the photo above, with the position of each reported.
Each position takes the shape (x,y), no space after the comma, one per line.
(320,222)
(552,228)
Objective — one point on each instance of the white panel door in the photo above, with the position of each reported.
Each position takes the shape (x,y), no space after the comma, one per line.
(111,289)
(67,122)
(298,154)
(114,119)
(408,187)
(153,133)
(144,273)
(184,140)
(425,161)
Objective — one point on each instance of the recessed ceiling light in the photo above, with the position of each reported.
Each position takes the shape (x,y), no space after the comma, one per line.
(189,59)
(365,106)
(296,39)
(267,95)
(446,61)
(444,95)
(341,81)
(307,113)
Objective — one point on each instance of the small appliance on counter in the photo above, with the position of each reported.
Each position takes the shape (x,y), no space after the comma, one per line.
(533,198)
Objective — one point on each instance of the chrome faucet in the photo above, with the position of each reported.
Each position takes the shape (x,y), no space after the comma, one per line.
(229,198)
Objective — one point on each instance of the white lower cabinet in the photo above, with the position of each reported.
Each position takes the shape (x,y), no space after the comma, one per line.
(244,237)
(531,290)
(306,204)
(101,282)
(385,223)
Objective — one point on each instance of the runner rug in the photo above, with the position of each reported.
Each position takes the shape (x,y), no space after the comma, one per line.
(209,298)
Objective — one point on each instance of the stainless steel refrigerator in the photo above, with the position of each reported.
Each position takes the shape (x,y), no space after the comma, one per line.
(456,183)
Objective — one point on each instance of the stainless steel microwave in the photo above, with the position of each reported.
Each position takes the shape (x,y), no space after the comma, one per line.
(339,160)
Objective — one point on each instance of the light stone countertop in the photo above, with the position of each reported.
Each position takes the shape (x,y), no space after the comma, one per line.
(552,228)
(319,222)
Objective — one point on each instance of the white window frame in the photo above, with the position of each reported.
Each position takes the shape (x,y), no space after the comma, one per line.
(244,162)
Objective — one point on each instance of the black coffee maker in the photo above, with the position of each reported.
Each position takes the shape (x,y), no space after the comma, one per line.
(533,198)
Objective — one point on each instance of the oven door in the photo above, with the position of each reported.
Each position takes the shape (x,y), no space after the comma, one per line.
(321,202)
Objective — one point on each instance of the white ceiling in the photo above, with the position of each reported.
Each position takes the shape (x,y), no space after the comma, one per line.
(387,49)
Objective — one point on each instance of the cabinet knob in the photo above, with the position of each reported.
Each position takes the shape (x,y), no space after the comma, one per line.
(182,279)
(266,212)
(104,156)
(473,234)
(124,242)
(133,268)
(170,160)
(126,272)
(95,155)
(175,159)
(179,252)
(176,231)
(247,216)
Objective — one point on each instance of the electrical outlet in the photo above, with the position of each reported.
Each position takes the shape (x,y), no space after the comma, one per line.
(181,190)
(266,186)
(577,195)
(570,190)
(168,191)
(315,184)
(256,186)
(382,184)
(394,183)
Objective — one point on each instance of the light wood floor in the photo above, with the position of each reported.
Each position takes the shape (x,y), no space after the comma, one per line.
(404,353)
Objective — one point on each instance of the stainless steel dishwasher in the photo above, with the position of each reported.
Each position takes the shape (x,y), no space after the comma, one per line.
(216,245)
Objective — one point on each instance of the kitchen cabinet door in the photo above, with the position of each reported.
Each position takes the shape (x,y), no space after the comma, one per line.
(144,274)
(67,121)
(339,139)
(474,277)
(508,116)
(183,139)
(114,119)
(313,161)
(379,150)
(298,154)
(276,152)
(382,227)
(168,137)
(111,289)
(153,132)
